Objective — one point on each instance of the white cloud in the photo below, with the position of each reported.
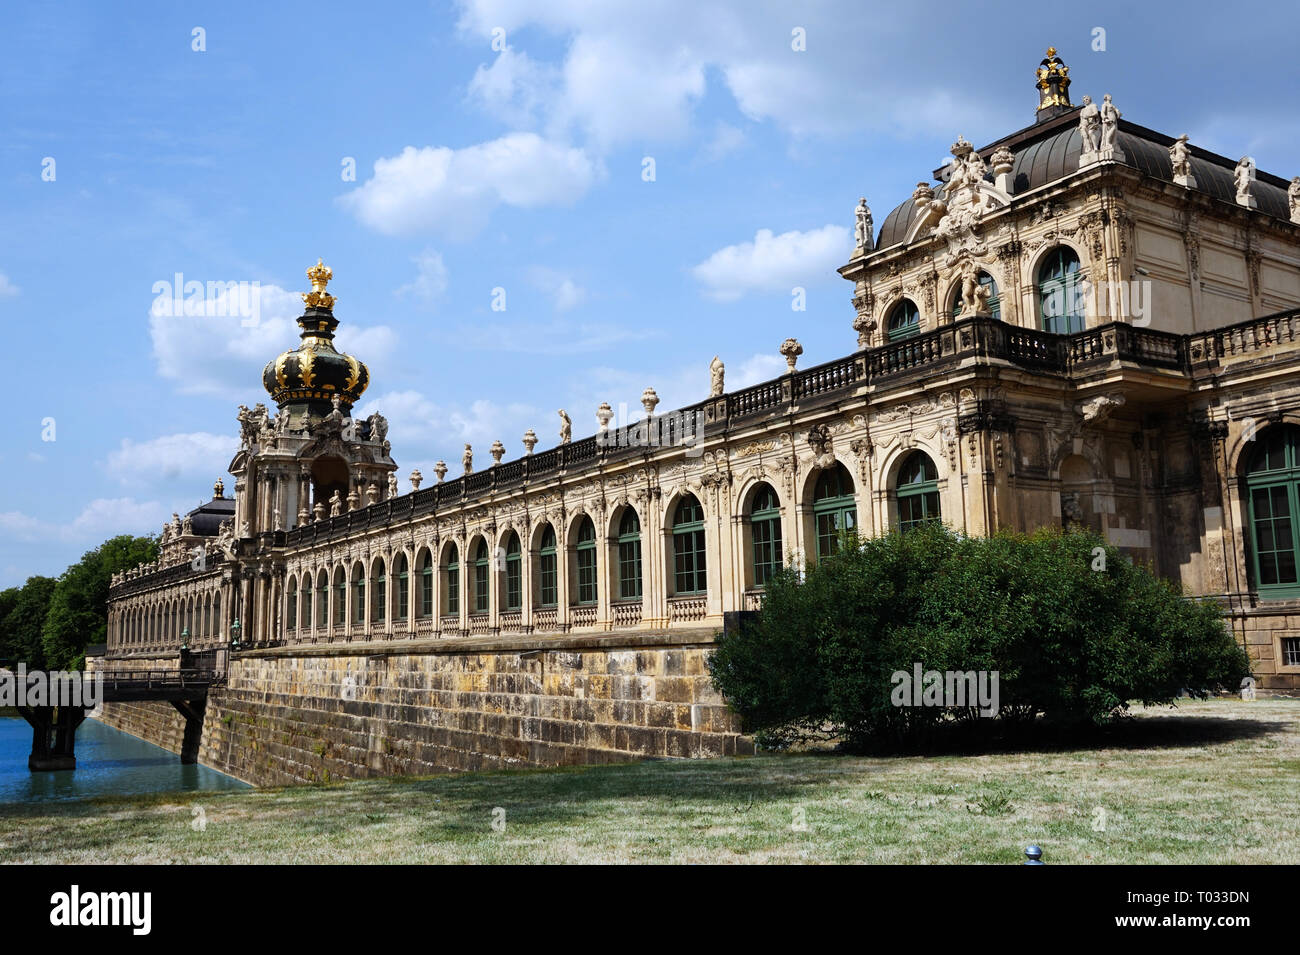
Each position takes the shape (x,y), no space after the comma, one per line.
(558,337)
(170,456)
(100,519)
(214,352)
(726,140)
(515,88)
(7,288)
(773,262)
(564,292)
(419,427)
(455,191)
(431,278)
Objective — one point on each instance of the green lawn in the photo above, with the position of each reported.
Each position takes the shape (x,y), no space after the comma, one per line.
(1207,782)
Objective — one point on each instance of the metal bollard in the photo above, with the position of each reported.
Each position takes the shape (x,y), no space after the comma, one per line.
(1034,856)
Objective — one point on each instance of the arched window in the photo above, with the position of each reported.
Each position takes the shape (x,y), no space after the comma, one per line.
(629,556)
(216,614)
(453,580)
(207,616)
(292,622)
(1272,477)
(690,576)
(549,576)
(918,494)
(586,552)
(322,599)
(1060,292)
(340,598)
(306,602)
(514,574)
(403,588)
(426,585)
(765,534)
(904,321)
(834,508)
(482,566)
(379,596)
(993,303)
(358,594)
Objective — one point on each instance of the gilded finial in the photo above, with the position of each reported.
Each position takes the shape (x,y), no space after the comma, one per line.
(320,275)
(218,489)
(1053,81)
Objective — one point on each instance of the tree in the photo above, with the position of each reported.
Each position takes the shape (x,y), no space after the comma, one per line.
(20,630)
(1073,629)
(78,607)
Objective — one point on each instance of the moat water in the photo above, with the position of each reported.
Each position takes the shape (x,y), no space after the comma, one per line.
(109,762)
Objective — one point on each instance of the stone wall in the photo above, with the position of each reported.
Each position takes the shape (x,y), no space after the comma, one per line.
(306,714)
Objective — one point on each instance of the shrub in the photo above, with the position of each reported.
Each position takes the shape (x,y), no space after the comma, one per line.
(1070,643)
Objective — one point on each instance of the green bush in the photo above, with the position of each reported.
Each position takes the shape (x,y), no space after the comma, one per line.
(1074,630)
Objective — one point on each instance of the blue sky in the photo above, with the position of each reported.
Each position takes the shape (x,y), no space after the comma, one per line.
(479,168)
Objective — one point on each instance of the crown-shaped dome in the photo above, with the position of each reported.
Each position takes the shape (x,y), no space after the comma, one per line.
(313,374)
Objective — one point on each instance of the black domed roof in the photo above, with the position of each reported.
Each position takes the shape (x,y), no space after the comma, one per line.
(315,372)
(205,520)
(1050,152)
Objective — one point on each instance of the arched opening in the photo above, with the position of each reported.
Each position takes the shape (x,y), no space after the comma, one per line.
(514,582)
(690,574)
(835,509)
(426,584)
(1273,505)
(482,574)
(585,562)
(993,303)
(765,534)
(452,577)
(307,619)
(291,623)
(1061,305)
(401,610)
(904,321)
(378,592)
(328,475)
(322,599)
(629,555)
(917,490)
(358,595)
(548,566)
(340,598)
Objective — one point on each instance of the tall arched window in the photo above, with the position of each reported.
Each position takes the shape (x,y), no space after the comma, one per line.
(322,599)
(765,534)
(1272,477)
(453,580)
(482,569)
(548,565)
(1060,292)
(514,574)
(918,494)
(426,585)
(216,614)
(586,553)
(358,594)
(834,508)
(379,596)
(403,575)
(993,303)
(690,576)
(904,321)
(340,598)
(306,602)
(292,622)
(629,556)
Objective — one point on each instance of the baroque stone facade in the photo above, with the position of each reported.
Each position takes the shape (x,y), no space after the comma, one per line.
(1045,334)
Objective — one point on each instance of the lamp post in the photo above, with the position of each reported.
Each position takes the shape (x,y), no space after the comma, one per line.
(234,635)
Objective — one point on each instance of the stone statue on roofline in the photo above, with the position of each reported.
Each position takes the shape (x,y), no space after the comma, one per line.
(864,230)
(716,372)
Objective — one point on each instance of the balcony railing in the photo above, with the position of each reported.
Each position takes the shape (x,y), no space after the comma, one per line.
(512,621)
(582,617)
(686,609)
(546,620)
(627,613)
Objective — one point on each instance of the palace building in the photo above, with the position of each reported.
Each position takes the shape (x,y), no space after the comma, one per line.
(1084,320)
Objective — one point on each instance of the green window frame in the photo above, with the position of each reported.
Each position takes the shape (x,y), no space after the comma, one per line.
(378,612)
(765,534)
(904,321)
(835,509)
(403,589)
(549,565)
(586,552)
(340,598)
(322,600)
(994,303)
(690,570)
(629,556)
(482,573)
(359,596)
(293,604)
(918,491)
(305,590)
(1273,501)
(514,574)
(453,580)
(426,585)
(1061,308)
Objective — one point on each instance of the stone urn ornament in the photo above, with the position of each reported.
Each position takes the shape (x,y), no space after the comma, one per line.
(416,478)
(604,414)
(530,441)
(791,349)
(649,400)
(440,469)
(497,451)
